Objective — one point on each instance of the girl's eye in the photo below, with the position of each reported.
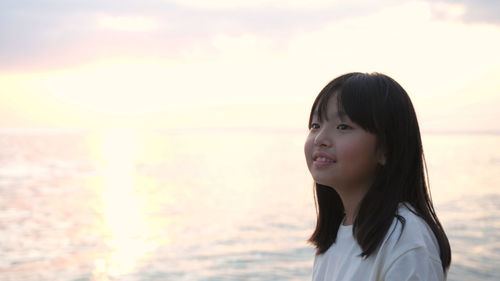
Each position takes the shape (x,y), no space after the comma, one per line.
(314,126)
(343,127)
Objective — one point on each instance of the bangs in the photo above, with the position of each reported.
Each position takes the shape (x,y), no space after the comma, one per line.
(320,109)
(360,100)
(356,98)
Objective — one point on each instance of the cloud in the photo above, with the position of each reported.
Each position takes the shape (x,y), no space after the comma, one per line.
(124,23)
(54,33)
(47,33)
(481,11)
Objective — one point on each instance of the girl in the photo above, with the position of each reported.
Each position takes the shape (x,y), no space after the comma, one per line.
(375,218)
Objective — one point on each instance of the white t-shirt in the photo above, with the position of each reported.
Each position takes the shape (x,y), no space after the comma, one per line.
(413,255)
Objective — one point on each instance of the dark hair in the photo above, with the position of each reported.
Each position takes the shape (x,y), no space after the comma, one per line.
(381,106)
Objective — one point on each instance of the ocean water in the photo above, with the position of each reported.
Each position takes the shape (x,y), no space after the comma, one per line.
(206,205)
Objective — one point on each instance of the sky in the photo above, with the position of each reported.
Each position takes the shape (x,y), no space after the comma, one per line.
(183,64)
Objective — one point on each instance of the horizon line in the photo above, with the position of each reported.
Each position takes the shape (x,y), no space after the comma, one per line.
(48,130)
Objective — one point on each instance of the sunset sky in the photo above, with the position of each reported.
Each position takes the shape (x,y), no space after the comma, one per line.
(181,64)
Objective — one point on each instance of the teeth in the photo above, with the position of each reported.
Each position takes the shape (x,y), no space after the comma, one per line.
(323,159)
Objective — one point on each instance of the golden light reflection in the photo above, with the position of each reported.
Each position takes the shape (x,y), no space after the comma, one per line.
(123,208)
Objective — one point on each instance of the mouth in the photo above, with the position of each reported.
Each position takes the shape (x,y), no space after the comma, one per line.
(321,160)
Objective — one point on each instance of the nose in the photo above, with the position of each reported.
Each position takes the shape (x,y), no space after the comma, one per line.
(323,139)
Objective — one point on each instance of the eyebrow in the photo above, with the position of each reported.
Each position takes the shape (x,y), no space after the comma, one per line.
(341,115)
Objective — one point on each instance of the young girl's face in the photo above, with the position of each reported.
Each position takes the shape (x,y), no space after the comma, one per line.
(339,153)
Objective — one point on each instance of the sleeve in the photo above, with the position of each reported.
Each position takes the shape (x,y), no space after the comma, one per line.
(415,265)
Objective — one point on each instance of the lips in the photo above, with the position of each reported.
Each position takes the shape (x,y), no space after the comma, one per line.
(322,159)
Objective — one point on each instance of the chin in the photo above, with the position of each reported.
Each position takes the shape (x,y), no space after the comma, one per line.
(323,182)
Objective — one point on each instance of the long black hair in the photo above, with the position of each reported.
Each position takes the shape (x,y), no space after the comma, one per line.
(380,106)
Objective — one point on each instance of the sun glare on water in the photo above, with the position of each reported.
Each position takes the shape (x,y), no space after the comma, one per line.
(123,209)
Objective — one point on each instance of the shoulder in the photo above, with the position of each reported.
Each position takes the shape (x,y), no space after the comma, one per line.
(411,248)
(413,228)
(408,231)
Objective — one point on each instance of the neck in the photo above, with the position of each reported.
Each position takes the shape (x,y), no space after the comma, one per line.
(350,209)
(351,199)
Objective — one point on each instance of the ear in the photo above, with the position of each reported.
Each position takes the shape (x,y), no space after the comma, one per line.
(381,158)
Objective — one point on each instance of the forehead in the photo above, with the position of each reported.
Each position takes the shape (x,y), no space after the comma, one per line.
(329,109)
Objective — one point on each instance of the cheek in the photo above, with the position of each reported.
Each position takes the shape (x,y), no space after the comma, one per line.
(308,148)
(361,152)
(363,157)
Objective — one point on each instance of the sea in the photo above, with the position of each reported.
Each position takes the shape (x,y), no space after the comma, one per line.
(206,204)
